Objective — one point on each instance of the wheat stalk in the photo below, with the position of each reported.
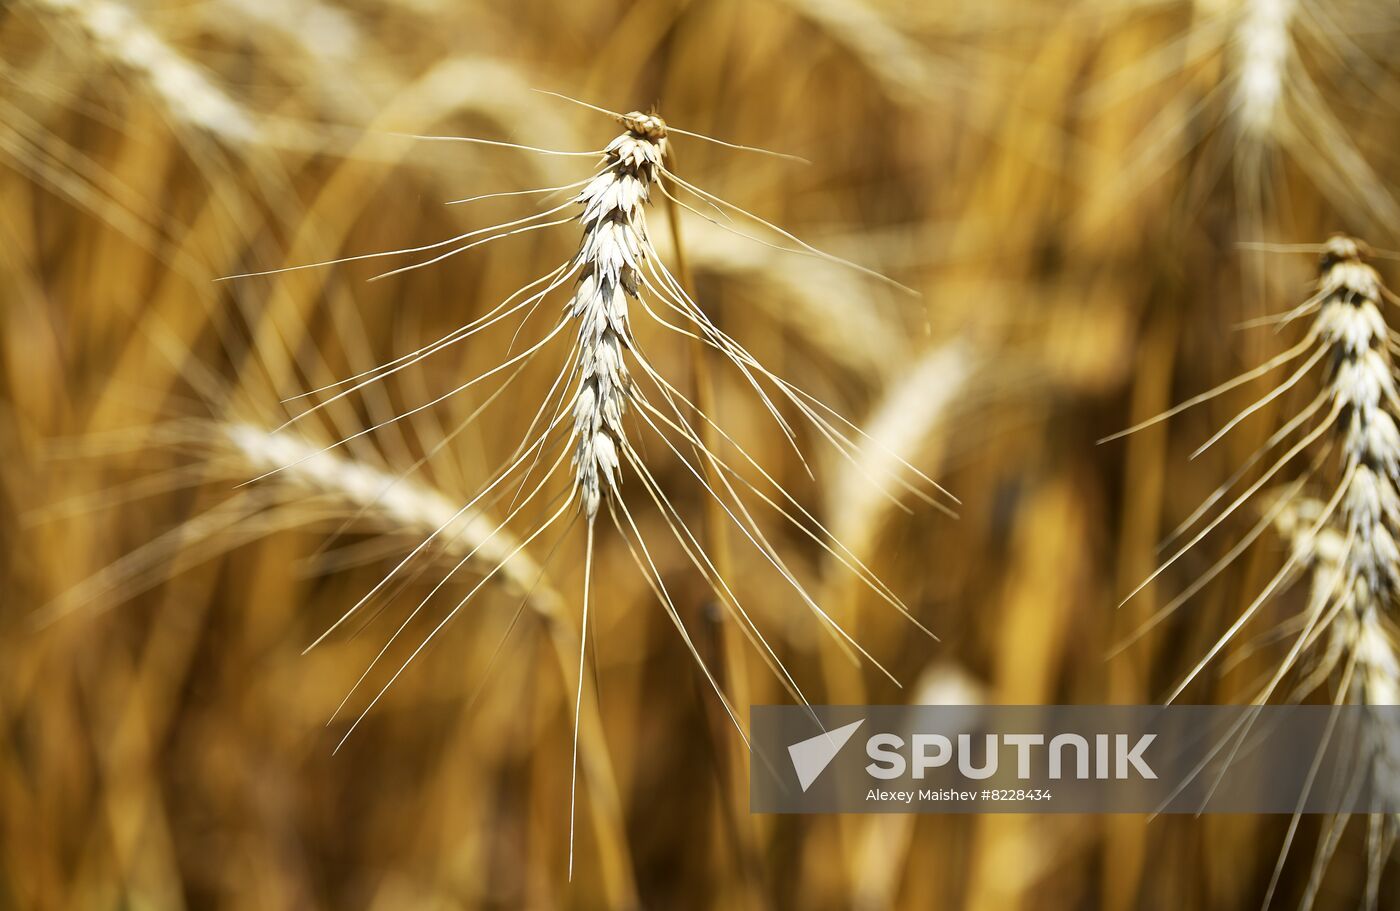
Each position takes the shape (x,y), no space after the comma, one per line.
(906,71)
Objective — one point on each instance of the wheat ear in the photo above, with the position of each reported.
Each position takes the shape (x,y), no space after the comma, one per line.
(1264,50)
(1360,649)
(618,276)
(1348,428)
(1268,68)
(114,33)
(1343,534)
(317,487)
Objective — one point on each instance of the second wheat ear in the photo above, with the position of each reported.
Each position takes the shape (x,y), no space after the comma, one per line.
(1339,512)
(578,431)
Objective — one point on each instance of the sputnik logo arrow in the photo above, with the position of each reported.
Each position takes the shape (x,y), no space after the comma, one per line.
(811,756)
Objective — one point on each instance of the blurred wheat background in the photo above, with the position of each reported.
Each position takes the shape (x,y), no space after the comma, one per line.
(1067,185)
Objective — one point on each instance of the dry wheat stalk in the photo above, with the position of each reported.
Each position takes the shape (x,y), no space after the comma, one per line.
(908,72)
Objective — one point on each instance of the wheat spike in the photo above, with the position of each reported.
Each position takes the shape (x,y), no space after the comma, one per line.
(606,376)
(610,263)
(1360,648)
(315,487)
(1264,46)
(1343,534)
(116,34)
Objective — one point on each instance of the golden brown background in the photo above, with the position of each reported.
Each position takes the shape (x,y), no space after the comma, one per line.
(1066,184)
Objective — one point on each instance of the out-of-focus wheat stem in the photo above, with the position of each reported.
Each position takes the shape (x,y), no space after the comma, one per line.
(733,674)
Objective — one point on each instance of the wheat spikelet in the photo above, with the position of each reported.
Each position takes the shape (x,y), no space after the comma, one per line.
(913,410)
(395,504)
(1349,427)
(1281,105)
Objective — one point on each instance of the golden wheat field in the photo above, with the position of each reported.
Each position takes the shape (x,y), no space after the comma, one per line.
(1039,224)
